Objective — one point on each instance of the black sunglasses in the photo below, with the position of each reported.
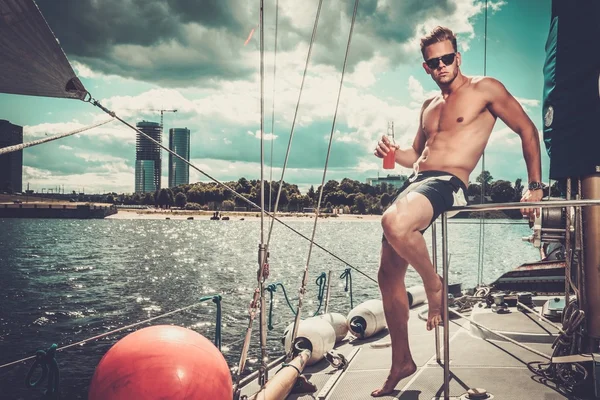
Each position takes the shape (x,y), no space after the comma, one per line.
(434,63)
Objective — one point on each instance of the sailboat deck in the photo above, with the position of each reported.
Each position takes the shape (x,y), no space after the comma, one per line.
(500,367)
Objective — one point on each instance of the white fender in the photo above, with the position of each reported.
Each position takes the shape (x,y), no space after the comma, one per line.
(416,295)
(318,332)
(370,316)
(338,322)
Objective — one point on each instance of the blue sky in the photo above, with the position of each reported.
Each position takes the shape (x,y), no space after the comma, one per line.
(191,57)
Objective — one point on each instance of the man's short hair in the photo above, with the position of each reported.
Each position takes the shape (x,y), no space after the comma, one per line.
(438,34)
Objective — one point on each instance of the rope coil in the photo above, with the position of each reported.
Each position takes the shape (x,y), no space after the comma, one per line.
(347,274)
(47,362)
(566,375)
(321,282)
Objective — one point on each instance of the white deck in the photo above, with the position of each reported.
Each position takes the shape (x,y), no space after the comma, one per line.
(499,367)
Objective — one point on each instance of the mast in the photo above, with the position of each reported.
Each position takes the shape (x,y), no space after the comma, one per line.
(571,104)
(262,251)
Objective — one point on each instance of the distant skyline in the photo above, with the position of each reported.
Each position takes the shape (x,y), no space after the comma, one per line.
(191,57)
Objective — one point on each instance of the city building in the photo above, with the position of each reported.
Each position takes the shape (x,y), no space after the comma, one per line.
(145,175)
(148,158)
(11,164)
(392,180)
(179,142)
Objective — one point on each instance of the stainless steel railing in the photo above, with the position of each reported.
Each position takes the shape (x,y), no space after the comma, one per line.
(444,223)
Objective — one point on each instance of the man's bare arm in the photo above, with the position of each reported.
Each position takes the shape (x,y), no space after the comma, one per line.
(502,104)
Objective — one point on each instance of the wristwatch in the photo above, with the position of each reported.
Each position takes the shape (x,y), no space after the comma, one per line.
(535,185)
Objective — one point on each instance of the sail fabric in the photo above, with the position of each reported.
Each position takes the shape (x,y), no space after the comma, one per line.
(31,59)
(571,97)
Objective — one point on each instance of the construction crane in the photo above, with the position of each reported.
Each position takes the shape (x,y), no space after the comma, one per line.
(161,115)
(162,111)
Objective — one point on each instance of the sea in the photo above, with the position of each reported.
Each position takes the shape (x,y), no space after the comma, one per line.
(66,281)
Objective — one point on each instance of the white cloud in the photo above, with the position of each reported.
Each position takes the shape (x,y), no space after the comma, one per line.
(363,113)
(528,103)
(63,147)
(267,136)
(344,137)
(108,132)
(98,157)
(417,92)
(504,137)
(121,182)
(496,6)
(83,71)
(50,129)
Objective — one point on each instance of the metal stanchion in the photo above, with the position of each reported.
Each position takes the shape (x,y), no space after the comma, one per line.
(434,258)
(326,310)
(446,319)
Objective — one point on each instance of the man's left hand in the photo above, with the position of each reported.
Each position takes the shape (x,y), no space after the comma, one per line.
(531,196)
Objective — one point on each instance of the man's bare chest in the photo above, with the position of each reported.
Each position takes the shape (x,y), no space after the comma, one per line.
(453,114)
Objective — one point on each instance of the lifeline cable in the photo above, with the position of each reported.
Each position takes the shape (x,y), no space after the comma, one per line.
(116,330)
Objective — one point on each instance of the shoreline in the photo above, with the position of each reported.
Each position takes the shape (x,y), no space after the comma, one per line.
(233,216)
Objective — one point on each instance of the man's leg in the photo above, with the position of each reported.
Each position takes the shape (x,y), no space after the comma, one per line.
(392,270)
(402,223)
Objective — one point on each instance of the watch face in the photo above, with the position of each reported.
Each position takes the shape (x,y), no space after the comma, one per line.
(535,186)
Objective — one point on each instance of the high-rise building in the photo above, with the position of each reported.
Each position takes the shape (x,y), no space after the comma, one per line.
(11,164)
(179,142)
(148,158)
(144,176)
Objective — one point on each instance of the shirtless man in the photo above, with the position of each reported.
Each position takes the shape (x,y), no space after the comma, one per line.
(454,129)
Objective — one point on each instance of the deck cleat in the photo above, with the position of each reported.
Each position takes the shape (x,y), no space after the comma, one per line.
(336,360)
(499,306)
(525,298)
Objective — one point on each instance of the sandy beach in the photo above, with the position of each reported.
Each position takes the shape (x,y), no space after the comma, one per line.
(233,216)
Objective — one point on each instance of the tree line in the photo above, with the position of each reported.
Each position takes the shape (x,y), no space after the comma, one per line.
(349,195)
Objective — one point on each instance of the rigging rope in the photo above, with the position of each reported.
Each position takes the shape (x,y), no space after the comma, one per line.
(289,146)
(273,107)
(262,253)
(235,193)
(483,180)
(258,299)
(305,276)
(17,147)
(202,300)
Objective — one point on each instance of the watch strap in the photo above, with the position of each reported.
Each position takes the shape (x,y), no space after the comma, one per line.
(535,185)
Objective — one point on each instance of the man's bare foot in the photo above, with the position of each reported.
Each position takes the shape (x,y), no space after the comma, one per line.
(434,299)
(395,376)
